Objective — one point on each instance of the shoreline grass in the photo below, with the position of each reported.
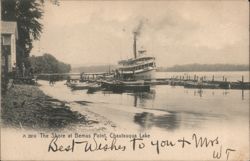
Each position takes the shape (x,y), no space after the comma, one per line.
(26,106)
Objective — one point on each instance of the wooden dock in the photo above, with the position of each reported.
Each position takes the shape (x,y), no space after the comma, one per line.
(201,84)
(109,82)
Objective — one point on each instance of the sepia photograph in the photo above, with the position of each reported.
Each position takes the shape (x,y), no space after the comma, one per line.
(125,80)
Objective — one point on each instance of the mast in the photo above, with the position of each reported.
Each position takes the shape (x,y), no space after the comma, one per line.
(134,46)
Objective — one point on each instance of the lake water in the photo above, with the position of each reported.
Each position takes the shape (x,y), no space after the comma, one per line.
(171,110)
(179,107)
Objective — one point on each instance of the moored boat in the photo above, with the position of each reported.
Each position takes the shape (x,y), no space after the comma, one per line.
(94,87)
(79,85)
(123,86)
(140,67)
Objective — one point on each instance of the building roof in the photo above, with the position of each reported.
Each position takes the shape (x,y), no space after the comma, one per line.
(9,27)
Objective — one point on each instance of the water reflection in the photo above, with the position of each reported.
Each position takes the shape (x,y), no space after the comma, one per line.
(135,100)
(225,92)
(198,92)
(141,98)
(179,117)
(148,120)
(174,120)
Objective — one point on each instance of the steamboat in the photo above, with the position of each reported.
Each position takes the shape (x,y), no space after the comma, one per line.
(140,67)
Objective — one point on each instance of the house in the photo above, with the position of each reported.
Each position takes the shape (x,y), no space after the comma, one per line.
(9,35)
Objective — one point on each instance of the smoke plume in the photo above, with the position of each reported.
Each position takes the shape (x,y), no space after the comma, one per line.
(137,31)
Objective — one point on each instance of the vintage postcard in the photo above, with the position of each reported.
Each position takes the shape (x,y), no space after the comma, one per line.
(125,80)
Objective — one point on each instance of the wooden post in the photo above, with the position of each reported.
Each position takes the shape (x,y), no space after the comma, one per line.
(223,78)
(213,79)
(242,85)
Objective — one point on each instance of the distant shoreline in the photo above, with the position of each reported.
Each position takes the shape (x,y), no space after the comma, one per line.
(175,68)
(205,68)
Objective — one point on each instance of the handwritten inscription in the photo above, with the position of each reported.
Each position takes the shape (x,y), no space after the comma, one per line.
(140,143)
(86,146)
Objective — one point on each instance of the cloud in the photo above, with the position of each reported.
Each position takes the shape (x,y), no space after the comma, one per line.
(175,32)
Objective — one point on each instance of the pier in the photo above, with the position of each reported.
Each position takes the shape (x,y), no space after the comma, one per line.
(107,80)
(201,83)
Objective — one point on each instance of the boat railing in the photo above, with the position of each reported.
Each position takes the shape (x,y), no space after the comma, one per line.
(138,63)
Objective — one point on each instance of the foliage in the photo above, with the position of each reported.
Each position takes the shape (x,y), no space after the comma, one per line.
(94,69)
(27,14)
(48,64)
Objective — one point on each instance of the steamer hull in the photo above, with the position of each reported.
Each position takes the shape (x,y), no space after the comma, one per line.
(140,74)
(148,74)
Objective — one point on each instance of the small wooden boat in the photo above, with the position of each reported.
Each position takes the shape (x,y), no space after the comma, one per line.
(79,85)
(94,87)
(122,86)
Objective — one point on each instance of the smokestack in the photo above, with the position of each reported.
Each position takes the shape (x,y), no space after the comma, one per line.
(134,47)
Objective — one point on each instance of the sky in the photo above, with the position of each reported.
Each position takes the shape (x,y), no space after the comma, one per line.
(84,33)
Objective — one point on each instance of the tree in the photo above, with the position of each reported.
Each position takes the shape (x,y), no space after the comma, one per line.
(27,14)
(48,64)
